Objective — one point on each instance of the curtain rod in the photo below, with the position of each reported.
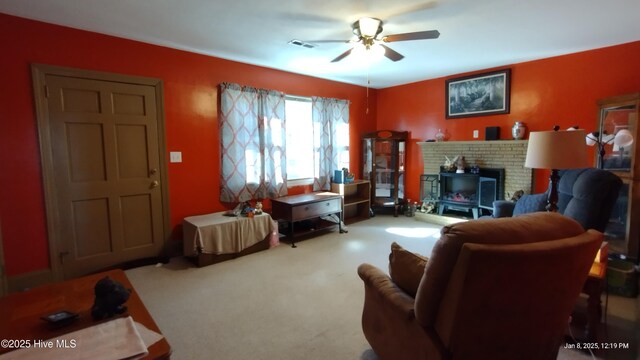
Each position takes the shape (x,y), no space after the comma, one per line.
(295,97)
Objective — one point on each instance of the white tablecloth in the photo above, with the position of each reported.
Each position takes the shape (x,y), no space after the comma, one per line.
(218,234)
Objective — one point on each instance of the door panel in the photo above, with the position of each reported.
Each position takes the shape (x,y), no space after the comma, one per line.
(131,141)
(85,152)
(91,232)
(129,104)
(137,218)
(106,156)
(80,100)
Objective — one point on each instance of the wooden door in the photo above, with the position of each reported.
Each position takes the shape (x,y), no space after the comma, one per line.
(105,152)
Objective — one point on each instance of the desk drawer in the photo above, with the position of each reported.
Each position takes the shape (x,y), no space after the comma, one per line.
(316,209)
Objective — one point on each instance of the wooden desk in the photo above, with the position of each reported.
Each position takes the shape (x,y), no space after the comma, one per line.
(20,312)
(296,208)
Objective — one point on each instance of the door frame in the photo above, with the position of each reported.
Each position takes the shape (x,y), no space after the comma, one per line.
(39,73)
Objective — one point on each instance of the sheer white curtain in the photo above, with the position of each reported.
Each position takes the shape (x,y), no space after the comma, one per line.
(252,131)
(330,128)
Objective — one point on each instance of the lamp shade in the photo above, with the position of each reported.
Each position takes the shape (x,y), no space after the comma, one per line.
(556,150)
(592,138)
(623,138)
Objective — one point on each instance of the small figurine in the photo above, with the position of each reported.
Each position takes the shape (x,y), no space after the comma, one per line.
(517,195)
(348,177)
(450,165)
(258,208)
(460,164)
(110,298)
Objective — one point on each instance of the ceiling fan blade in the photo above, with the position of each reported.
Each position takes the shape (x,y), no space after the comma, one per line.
(342,56)
(420,35)
(392,54)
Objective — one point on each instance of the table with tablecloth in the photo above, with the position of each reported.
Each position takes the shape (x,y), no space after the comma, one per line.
(220,234)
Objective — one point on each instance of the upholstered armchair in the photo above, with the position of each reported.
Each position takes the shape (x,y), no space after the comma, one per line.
(491,289)
(586,195)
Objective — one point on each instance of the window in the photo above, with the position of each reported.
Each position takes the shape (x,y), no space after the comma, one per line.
(342,145)
(300,154)
(316,136)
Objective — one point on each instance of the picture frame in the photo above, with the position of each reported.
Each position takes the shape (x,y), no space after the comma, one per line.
(478,95)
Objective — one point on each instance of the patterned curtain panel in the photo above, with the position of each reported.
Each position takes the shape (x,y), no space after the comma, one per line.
(330,117)
(252,131)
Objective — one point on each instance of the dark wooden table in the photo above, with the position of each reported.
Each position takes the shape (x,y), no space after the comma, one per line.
(20,312)
(297,208)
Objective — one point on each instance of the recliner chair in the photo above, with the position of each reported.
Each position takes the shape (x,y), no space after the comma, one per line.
(586,195)
(491,289)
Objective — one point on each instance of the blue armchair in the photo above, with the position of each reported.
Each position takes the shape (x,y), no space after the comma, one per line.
(586,195)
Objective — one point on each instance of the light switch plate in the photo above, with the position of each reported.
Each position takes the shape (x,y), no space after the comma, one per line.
(475,134)
(175,156)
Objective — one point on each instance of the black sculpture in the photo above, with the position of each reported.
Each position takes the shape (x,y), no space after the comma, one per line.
(110,297)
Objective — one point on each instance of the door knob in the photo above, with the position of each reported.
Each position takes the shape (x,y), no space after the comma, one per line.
(155,183)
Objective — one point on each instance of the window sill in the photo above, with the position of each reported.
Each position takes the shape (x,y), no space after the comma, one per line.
(299,182)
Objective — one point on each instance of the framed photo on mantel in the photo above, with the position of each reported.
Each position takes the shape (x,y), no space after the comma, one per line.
(478,95)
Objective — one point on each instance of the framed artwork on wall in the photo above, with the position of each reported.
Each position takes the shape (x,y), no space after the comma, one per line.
(478,95)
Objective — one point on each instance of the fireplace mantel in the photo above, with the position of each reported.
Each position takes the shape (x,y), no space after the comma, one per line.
(507,154)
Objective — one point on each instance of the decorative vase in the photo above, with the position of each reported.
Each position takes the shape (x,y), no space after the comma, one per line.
(518,130)
(439,136)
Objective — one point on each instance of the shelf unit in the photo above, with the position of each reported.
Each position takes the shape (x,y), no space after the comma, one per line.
(356,203)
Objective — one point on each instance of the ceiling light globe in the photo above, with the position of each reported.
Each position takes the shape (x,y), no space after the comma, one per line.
(377,50)
(358,51)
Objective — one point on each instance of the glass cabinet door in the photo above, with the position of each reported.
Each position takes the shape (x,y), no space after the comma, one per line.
(616,135)
(618,138)
(367,159)
(618,225)
(386,165)
(383,155)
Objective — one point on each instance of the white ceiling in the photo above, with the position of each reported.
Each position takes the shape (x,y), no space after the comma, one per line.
(475,34)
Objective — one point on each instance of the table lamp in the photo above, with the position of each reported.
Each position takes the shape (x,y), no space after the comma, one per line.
(556,150)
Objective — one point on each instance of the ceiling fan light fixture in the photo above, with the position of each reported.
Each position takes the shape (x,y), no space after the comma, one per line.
(369,27)
(377,50)
(368,53)
(359,50)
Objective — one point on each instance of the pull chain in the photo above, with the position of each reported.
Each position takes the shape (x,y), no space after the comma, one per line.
(368,83)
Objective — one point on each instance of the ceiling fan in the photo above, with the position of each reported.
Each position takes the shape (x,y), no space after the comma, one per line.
(368,31)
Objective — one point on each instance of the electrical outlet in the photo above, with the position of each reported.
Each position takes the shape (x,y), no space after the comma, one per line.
(175,156)
(475,134)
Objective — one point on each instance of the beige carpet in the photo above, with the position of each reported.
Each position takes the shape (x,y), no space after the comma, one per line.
(283,303)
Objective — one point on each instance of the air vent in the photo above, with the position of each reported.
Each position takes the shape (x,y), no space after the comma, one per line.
(302,43)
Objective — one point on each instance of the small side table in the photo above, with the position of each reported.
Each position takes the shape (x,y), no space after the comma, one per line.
(295,208)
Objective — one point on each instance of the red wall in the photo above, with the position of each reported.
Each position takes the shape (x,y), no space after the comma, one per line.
(561,90)
(558,90)
(190,85)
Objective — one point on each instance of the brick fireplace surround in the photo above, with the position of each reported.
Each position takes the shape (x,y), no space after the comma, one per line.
(507,154)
